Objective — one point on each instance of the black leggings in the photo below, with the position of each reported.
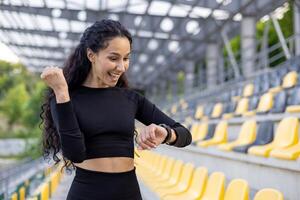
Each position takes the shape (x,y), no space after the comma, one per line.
(94,185)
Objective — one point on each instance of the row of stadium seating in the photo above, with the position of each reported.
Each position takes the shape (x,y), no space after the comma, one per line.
(283,144)
(173,179)
(270,92)
(51,176)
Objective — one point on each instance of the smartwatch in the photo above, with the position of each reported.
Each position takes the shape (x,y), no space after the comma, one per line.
(169,131)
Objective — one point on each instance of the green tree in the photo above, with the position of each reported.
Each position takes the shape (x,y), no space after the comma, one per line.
(13,104)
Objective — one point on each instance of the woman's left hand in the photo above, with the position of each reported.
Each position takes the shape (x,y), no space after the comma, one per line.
(151,136)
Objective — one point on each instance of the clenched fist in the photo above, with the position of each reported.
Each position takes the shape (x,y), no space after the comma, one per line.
(54,78)
(151,136)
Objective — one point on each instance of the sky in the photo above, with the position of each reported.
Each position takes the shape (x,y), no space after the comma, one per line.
(7,55)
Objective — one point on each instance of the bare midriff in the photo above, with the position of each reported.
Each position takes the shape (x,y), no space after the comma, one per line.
(108,164)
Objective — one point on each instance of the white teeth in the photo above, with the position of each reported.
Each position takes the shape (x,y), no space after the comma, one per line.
(114,75)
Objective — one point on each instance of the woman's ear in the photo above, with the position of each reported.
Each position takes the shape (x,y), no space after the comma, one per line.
(91,55)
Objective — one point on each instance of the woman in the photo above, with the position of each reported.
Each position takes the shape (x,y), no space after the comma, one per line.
(89,116)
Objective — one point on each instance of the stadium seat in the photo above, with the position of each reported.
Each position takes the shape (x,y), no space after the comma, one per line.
(280,101)
(237,189)
(196,187)
(194,129)
(242,106)
(173,179)
(289,153)
(253,102)
(246,136)
(294,101)
(286,135)
(199,112)
(289,80)
(248,90)
(220,136)
(215,187)
(268,194)
(183,182)
(275,81)
(217,110)
(264,105)
(265,135)
(201,132)
(211,131)
(229,109)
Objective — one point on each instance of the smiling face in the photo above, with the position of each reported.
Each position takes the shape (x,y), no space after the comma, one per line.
(110,63)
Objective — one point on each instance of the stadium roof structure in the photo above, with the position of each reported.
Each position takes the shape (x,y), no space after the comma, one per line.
(166,33)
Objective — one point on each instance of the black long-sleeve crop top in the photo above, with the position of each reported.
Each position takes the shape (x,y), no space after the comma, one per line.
(99,122)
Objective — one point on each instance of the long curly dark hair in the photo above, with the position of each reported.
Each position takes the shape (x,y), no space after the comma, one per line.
(76,68)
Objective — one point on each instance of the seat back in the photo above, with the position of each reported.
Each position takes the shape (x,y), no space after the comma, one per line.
(238,189)
(202,131)
(275,79)
(279,102)
(211,131)
(253,102)
(217,110)
(290,79)
(248,90)
(268,193)
(221,131)
(229,107)
(248,132)
(265,133)
(215,187)
(176,172)
(168,167)
(242,106)
(294,97)
(199,112)
(287,132)
(265,103)
(199,181)
(186,176)
(194,130)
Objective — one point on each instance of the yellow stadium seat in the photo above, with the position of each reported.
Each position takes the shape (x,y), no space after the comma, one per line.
(248,90)
(173,179)
(194,130)
(265,104)
(164,175)
(147,172)
(174,109)
(199,112)
(183,183)
(220,136)
(227,115)
(215,187)
(286,135)
(289,153)
(196,188)
(242,106)
(290,79)
(237,189)
(246,136)
(217,110)
(268,194)
(201,132)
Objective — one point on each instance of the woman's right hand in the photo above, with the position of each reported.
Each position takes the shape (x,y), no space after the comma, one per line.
(54,78)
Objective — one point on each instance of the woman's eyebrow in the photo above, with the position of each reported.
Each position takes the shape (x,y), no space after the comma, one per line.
(115,53)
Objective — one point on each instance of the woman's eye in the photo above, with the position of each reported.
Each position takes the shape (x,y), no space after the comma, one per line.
(113,58)
(126,59)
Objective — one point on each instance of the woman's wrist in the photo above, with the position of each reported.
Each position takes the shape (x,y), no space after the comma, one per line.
(62,96)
